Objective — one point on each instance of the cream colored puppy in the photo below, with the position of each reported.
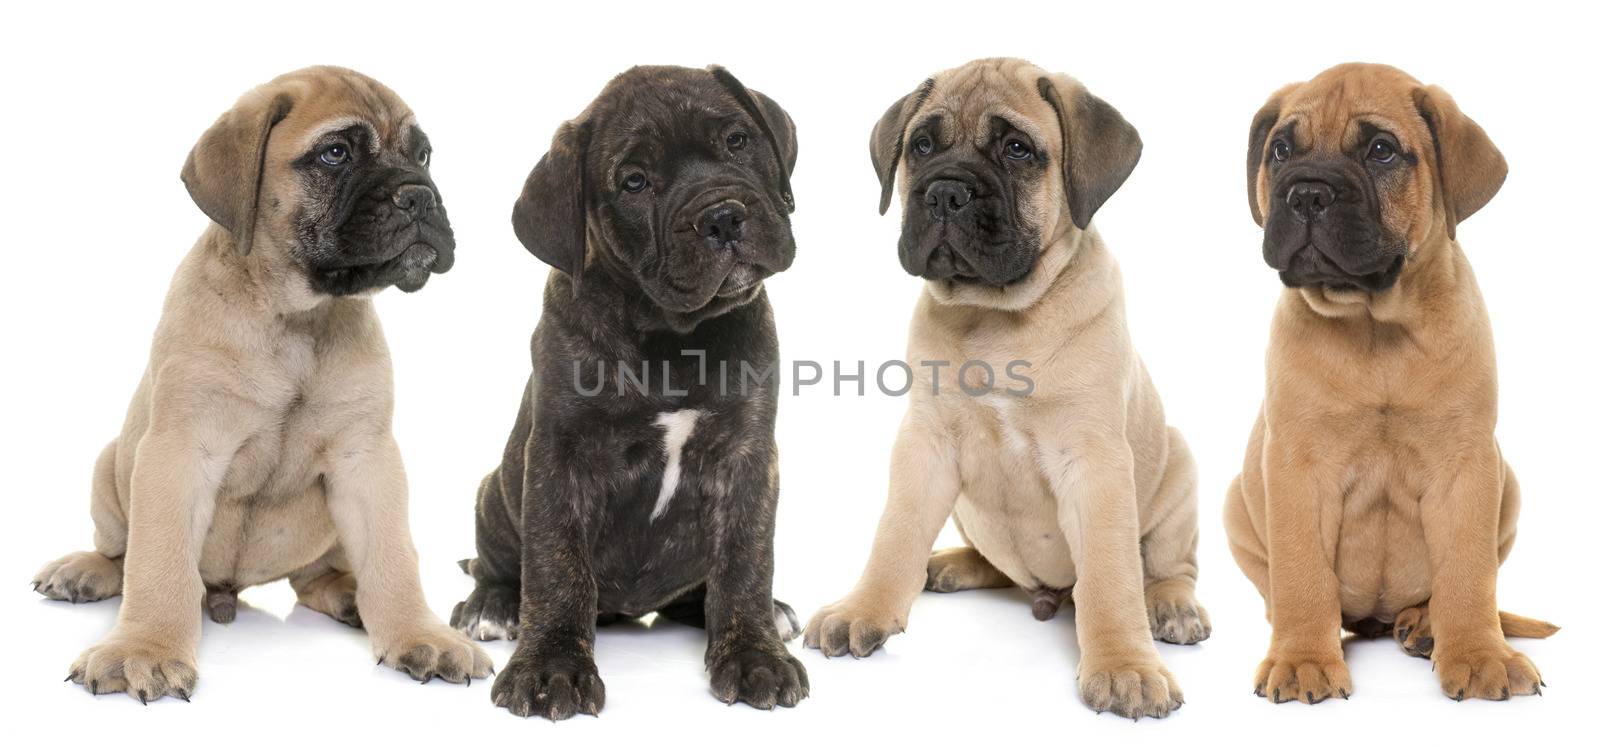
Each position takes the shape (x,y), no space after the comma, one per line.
(1064,480)
(258,444)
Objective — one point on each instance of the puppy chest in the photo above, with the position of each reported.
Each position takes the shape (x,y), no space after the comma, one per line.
(1380,553)
(264,536)
(650,536)
(1008,513)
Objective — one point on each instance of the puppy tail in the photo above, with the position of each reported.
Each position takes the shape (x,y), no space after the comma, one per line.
(1517,626)
(466,567)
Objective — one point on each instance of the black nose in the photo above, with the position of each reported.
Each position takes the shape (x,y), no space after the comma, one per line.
(722,222)
(947,197)
(414,198)
(1309,200)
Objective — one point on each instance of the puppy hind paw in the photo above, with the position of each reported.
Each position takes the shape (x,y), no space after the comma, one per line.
(1413,630)
(1175,615)
(79,577)
(787,622)
(488,613)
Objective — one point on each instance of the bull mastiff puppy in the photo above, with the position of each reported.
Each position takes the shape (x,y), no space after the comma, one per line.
(258,444)
(1374,495)
(641,475)
(1074,487)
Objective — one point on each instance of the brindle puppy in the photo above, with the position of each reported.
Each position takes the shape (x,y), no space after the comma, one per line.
(642,474)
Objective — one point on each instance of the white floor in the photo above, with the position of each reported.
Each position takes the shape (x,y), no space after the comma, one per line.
(972,666)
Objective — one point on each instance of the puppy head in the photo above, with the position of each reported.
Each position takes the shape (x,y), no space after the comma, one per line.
(994,158)
(675,180)
(1356,171)
(327,169)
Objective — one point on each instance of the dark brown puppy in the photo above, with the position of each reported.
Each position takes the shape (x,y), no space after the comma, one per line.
(642,474)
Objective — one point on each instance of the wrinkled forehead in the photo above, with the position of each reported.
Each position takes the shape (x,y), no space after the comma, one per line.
(966,101)
(326,103)
(668,115)
(1332,109)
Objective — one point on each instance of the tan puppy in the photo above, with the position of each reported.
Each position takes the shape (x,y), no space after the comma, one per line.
(1072,482)
(258,444)
(1374,494)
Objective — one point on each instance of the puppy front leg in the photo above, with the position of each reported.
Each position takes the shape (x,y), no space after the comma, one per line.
(923,484)
(552,674)
(150,652)
(1461,524)
(747,659)
(367,497)
(1097,508)
(1304,661)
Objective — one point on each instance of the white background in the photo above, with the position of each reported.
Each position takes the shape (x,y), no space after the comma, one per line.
(102,104)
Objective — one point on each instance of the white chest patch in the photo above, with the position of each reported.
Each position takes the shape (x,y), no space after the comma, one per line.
(1003,404)
(679,425)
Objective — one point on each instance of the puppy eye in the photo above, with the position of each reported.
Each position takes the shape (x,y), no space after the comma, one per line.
(425,157)
(1381,151)
(335,155)
(923,145)
(635,182)
(736,140)
(1281,151)
(1017,150)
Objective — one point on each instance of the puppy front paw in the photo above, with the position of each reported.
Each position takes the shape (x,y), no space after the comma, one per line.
(143,668)
(79,577)
(1493,671)
(488,613)
(435,651)
(759,677)
(1131,689)
(554,685)
(1308,678)
(850,627)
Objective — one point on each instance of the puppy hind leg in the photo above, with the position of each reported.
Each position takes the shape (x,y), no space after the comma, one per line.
(1168,545)
(690,609)
(962,568)
(1413,630)
(92,576)
(492,610)
(327,586)
(80,577)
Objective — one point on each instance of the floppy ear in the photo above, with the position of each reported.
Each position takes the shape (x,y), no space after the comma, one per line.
(774,123)
(223,171)
(1101,147)
(889,139)
(1260,127)
(550,216)
(1468,170)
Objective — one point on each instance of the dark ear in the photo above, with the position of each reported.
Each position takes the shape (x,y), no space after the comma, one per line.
(223,171)
(773,122)
(1260,127)
(1468,169)
(889,136)
(550,216)
(1102,148)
